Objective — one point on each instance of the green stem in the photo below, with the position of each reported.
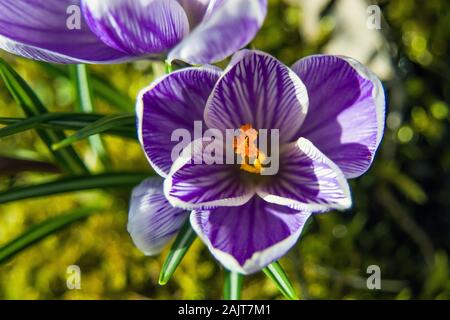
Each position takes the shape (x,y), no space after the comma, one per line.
(169,67)
(233,285)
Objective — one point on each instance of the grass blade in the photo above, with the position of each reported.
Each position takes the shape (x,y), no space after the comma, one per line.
(177,252)
(71,184)
(233,285)
(101,87)
(102,125)
(276,273)
(32,106)
(82,83)
(60,121)
(41,231)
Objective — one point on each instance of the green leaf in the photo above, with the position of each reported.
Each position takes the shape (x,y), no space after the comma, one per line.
(41,231)
(105,90)
(177,252)
(71,184)
(405,184)
(28,123)
(233,285)
(82,83)
(32,106)
(101,87)
(276,273)
(65,117)
(60,121)
(102,125)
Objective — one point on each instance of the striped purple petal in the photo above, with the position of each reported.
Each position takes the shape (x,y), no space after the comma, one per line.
(259,90)
(152,221)
(173,102)
(307,180)
(228,26)
(213,5)
(45,30)
(346,110)
(200,179)
(138,27)
(246,239)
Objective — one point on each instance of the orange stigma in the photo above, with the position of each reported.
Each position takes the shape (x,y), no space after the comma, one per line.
(245,146)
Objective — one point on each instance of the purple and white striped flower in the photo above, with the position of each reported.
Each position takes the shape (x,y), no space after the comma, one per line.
(329,111)
(111,31)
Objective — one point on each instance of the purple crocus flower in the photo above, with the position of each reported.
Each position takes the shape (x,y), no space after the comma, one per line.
(329,111)
(109,31)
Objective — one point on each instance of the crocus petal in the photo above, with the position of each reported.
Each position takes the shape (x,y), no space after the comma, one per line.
(259,90)
(172,103)
(248,238)
(307,180)
(39,29)
(227,27)
(137,27)
(200,179)
(152,221)
(195,10)
(346,110)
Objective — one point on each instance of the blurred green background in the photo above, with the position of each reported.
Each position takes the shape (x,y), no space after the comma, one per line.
(401,215)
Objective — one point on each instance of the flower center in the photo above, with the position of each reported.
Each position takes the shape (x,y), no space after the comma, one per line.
(245,146)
